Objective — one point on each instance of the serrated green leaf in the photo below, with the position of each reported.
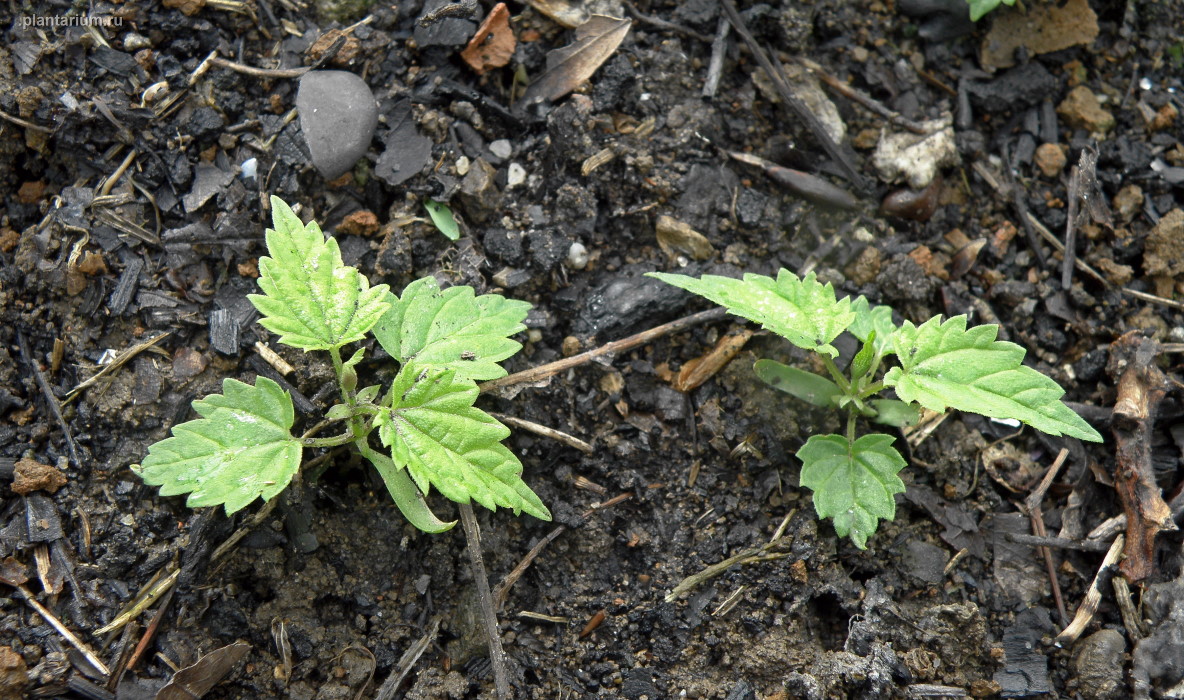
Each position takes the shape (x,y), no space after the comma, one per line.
(852,483)
(800,310)
(947,365)
(443,218)
(896,413)
(436,433)
(311,298)
(807,386)
(239,450)
(870,318)
(452,328)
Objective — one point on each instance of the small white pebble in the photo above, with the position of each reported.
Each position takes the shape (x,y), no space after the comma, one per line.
(577,256)
(462,166)
(249,168)
(128,519)
(534,335)
(515,176)
(501,148)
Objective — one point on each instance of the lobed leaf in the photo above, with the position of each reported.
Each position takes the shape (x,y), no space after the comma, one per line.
(801,310)
(452,328)
(311,298)
(869,319)
(239,450)
(947,365)
(853,483)
(436,433)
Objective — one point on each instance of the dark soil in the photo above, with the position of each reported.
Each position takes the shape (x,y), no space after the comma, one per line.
(333,588)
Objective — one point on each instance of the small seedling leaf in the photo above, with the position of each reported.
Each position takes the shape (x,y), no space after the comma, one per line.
(311,298)
(801,310)
(861,364)
(436,433)
(947,365)
(406,496)
(239,450)
(870,318)
(853,483)
(978,8)
(896,413)
(452,328)
(807,386)
(443,218)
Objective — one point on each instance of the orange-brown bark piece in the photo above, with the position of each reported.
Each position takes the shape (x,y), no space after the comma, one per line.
(30,475)
(700,369)
(494,43)
(1141,386)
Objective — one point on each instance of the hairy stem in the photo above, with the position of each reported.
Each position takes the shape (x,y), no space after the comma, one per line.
(835,374)
(336,440)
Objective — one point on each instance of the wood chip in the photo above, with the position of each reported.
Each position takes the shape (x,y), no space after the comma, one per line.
(494,43)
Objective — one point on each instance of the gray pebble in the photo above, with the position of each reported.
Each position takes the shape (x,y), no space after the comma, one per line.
(338,116)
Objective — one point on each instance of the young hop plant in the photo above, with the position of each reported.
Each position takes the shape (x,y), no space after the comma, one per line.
(941,365)
(978,8)
(444,340)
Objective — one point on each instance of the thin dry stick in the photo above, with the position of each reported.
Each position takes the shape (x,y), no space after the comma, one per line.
(1093,597)
(1130,617)
(62,629)
(1036,515)
(543,372)
(407,662)
(21,122)
(835,150)
(149,632)
(539,429)
(715,68)
(503,589)
(856,96)
(51,398)
(118,362)
(751,555)
(497,655)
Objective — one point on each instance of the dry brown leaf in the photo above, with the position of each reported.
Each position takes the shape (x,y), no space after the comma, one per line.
(208,671)
(570,66)
(567,13)
(493,44)
(674,235)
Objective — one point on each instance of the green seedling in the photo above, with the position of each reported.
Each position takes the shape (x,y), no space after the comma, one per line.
(940,365)
(443,219)
(978,8)
(444,340)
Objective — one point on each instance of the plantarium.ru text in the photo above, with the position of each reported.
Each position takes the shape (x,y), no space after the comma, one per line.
(444,341)
(942,365)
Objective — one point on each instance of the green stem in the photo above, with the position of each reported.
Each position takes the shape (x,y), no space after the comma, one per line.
(339,370)
(836,375)
(343,439)
(851,427)
(871,390)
